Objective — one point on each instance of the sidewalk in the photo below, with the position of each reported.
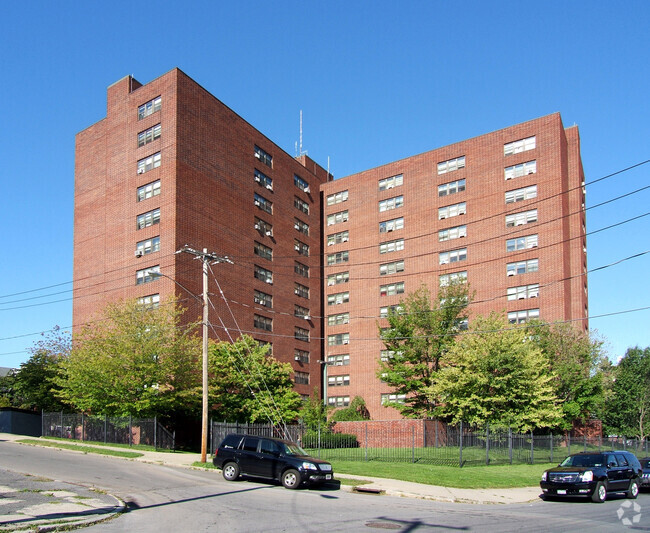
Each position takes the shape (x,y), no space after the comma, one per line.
(28,501)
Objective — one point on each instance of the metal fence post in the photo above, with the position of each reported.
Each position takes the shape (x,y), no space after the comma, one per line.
(155,432)
(487,443)
(569,443)
(460,445)
(551,440)
(510,444)
(532,448)
(83,427)
(413,444)
(130,439)
(366,452)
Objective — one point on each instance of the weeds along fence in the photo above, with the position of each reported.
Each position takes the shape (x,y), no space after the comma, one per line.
(110,430)
(432,442)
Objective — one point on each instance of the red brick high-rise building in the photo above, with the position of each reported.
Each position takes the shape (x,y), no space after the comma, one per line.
(317,262)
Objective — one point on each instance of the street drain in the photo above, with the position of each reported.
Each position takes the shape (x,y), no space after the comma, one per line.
(383,525)
(367,490)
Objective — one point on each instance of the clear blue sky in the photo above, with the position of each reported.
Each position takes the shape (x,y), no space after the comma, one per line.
(377,81)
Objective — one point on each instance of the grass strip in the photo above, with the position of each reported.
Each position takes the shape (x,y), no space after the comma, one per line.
(81,448)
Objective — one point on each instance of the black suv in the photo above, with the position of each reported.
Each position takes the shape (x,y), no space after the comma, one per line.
(594,475)
(269,458)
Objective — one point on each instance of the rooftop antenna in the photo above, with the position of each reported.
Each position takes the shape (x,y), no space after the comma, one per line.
(301,151)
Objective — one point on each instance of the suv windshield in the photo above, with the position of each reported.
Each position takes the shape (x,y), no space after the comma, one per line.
(293,449)
(596,459)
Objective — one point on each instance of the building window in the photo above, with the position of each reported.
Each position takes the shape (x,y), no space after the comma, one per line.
(149,108)
(147,275)
(391,289)
(267,344)
(149,163)
(391,246)
(301,355)
(263,227)
(300,269)
(394,309)
(391,203)
(301,378)
(301,290)
(147,219)
(337,320)
(301,226)
(337,218)
(337,258)
(389,183)
(263,180)
(523,292)
(301,334)
(521,243)
(520,317)
(149,190)
(261,298)
(338,401)
(300,183)
(301,247)
(519,195)
(456,232)
(338,381)
(521,145)
(263,156)
(150,302)
(263,251)
(451,211)
(391,225)
(263,322)
(301,205)
(337,238)
(522,267)
(453,277)
(338,339)
(340,277)
(263,274)
(392,398)
(451,165)
(263,204)
(147,247)
(523,169)
(387,355)
(338,360)
(150,135)
(451,188)
(519,219)
(337,197)
(453,256)
(391,268)
(338,298)
(301,312)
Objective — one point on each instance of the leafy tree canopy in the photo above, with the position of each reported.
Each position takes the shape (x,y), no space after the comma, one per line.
(357,410)
(314,412)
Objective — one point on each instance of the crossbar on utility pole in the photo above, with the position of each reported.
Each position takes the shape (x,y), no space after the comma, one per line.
(206,258)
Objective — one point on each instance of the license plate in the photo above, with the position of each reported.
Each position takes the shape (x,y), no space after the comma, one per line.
(561,491)
(328,476)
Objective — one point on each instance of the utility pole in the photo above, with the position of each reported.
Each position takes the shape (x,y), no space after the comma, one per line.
(206,258)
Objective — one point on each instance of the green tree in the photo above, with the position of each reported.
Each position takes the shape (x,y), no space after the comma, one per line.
(496,375)
(134,360)
(628,409)
(357,410)
(314,412)
(248,385)
(575,358)
(418,338)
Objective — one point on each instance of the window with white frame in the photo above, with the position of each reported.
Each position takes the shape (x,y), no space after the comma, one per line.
(149,163)
(263,204)
(452,210)
(263,274)
(301,205)
(338,298)
(519,219)
(301,312)
(300,269)
(338,381)
(337,218)
(453,256)
(337,197)
(150,218)
(301,378)
(453,277)
(337,238)
(263,322)
(391,397)
(301,247)
(451,164)
(456,232)
(338,339)
(523,292)
(519,195)
(338,360)
(338,258)
(391,203)
(261,298)
(451,188)
(394,309)
(149,190)
(148,246)
(521,243)
(391,268)
(391,225)
(147,275)
(389,183)
(339,277)
(301,226)
(301,355)
(522,169)
(338,401)
(391,289)
(149,135)
(301,290)
(391,246)
(338,319)
(263,180)
(522,267)
(522,145)
(152,301)
(263,251)
(263,156)
(149,108)
(300,183)
(263,227)
(520,317)
(301,334)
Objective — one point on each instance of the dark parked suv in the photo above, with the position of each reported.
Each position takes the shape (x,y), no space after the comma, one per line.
(594,475)
(269,458)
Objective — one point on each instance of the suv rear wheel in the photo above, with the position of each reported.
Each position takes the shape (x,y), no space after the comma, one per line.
(633,491)
(600,493)
(291,479)
(230,471)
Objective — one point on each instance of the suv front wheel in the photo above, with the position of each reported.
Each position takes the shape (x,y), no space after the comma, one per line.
(230,471)
(291,479)
(600,493)
(633,491)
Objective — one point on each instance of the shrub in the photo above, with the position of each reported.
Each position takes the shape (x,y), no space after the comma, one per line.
(329,439)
